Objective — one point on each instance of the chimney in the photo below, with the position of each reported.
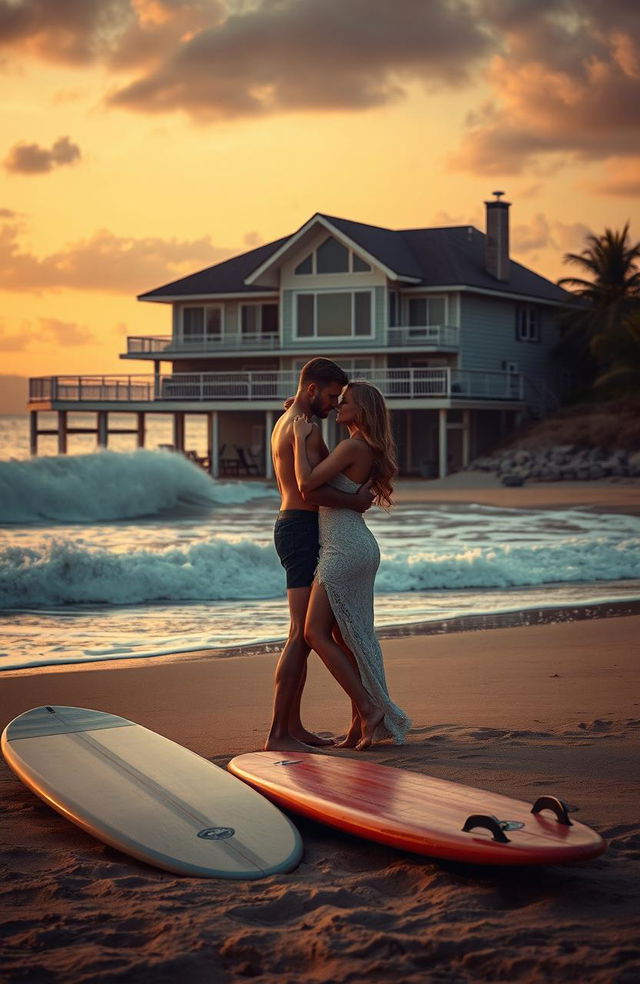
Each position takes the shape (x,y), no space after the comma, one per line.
(496,250)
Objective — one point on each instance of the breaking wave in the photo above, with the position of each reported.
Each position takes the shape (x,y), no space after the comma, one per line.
(109,486)
(215,569)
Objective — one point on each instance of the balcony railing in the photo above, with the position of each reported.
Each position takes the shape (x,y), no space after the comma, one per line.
(436,336)
(191,344)
(409,383)
(431,336)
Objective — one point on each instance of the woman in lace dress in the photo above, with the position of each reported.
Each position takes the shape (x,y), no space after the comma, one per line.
(339,623)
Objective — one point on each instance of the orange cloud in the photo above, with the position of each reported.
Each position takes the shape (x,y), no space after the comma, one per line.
(567,84)
(45,331)
(104,262)
(621,177)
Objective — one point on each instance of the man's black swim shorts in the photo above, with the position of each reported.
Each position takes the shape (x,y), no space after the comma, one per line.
(296,538)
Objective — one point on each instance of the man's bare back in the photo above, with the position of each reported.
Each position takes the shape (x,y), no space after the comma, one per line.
(282,452)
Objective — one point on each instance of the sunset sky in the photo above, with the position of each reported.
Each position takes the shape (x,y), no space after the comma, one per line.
(142,140)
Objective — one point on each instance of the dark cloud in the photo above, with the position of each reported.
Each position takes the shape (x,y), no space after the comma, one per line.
(567,82)
(69,31)
(104,262)
(119,33)
(292,55)
(27,158)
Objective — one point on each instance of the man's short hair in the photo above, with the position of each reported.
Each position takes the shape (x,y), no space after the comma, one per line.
(323,372)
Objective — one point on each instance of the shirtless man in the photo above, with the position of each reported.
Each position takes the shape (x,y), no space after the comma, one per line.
(296,539)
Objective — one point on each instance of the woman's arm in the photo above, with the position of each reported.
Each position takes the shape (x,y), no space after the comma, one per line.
(337,461)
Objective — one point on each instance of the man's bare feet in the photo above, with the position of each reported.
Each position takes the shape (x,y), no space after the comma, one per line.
(309,738)
(352,737)
(286,743)
(369,727)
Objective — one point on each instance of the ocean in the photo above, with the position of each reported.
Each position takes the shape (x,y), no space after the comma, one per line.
(124,553)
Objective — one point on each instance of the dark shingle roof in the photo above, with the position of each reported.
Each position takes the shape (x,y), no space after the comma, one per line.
(224,278)
(440,257)
(455,255)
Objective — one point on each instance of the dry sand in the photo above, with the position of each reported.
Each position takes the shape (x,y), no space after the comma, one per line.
(518,710)
(521,711)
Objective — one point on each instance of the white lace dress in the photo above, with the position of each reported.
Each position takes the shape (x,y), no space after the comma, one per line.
(349,560)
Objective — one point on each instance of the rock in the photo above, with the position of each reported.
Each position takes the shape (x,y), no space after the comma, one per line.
(633,463)
(596,471)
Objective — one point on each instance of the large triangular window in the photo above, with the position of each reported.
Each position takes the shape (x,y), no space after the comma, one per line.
(332,257)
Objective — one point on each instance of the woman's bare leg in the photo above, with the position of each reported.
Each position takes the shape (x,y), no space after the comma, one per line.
(354,732)
(318,634)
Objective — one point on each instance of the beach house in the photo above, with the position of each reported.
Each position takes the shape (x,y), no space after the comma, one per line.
(456,334)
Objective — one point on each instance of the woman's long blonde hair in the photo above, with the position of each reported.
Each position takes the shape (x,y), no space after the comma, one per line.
(375,426)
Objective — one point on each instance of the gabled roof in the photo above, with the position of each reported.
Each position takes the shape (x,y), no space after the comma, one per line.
(436,258)
(383,247)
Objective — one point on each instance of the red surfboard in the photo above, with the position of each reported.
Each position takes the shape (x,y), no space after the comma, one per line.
(418,813)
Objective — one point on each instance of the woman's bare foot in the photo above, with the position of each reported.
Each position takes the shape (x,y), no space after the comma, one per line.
(352,737)
(309,738)
(369,727)
(285,743)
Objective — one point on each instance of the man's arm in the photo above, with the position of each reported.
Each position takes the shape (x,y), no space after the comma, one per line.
(359,501)
(325,495)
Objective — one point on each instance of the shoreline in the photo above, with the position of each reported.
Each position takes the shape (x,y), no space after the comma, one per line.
(517,618)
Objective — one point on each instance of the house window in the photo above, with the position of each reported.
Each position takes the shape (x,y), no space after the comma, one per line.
(425,311)
(394,309)
(528,324)
(337,314)
(201,323)
(259,319)
(359,265)
(332,257)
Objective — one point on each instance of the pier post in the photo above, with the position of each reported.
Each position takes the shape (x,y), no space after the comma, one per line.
(141,428)
(62,431)
(33,433)
(466,437)
(178,431)
(214,443)
(103,428)
(442,443)
(268,427)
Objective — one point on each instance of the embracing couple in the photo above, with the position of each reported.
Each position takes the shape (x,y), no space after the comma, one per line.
(329,554)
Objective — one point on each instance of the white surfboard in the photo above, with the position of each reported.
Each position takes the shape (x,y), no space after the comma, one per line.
(148,796)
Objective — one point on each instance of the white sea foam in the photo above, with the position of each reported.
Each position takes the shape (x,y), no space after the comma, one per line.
(110,486)
(58,572)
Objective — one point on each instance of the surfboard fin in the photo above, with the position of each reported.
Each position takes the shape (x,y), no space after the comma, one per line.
(558,806)
(495,826)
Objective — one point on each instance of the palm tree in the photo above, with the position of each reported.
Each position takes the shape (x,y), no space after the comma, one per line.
(601,330)
(622,377)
